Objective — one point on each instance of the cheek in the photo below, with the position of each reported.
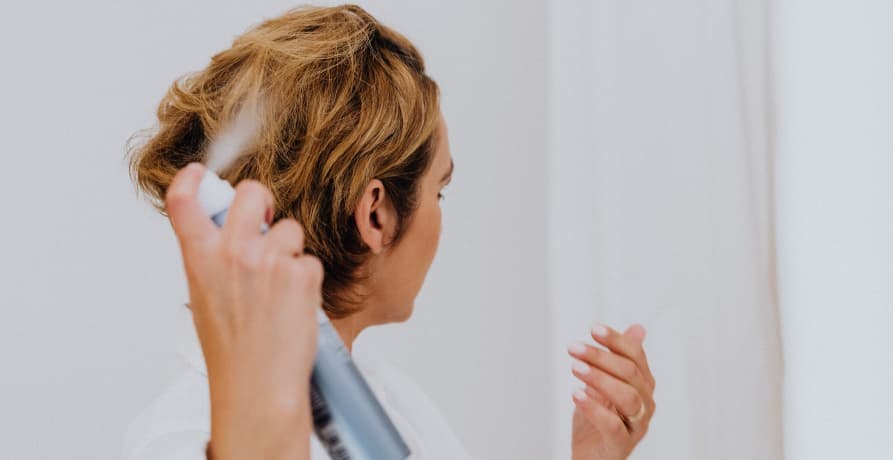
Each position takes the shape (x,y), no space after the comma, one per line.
(426,237)
(417,251)
(434,232)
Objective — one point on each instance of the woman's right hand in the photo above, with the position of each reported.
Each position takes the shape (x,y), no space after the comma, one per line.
(253,298)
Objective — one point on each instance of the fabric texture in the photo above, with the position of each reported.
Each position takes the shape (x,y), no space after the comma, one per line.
(176,426)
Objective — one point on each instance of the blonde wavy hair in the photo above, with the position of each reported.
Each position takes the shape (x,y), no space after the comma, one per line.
(345,100)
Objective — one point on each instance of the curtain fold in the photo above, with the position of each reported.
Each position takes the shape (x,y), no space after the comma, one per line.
(660,202)
(834,74)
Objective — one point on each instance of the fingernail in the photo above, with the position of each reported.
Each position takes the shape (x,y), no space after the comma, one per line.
(580,368)
(580,395)
(600,330)
(576,348)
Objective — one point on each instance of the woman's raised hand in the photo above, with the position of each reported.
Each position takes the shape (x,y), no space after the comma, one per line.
(253,298)
(614,407)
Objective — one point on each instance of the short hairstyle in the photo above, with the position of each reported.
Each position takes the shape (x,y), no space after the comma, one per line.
(345,100)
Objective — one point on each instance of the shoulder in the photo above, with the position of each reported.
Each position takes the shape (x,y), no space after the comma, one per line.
(396,388)
(416,415)
(177,424)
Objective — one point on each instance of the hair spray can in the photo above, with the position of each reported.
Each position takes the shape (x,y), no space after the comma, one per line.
(347,417)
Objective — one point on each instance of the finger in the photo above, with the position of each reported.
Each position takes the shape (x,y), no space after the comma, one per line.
(596,396)
(619,366)
(604,419)
(623,345)
(622,395)
(287,236)
(181,203)
(247,215)
(637,333)
(307,274)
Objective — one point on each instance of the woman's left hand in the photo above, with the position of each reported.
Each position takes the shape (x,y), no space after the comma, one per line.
(613,410)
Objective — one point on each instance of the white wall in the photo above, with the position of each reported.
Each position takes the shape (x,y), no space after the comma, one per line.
(660,213)
(91,278)
(834,65)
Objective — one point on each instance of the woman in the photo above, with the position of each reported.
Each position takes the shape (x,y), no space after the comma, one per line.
(352,144)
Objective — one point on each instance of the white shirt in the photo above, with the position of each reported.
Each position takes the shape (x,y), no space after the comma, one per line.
(176,426)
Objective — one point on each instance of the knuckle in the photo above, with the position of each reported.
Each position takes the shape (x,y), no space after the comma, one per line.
(293,229)
(314,267)
(296,265)
(293,269)
(630,399)
(175,198)
(292,225)
(253,187)
(281,262)
(308,270)
(248,186)
(238,255)
(594,354)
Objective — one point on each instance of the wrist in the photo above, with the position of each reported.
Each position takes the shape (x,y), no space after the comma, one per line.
(586,452)
(260,425)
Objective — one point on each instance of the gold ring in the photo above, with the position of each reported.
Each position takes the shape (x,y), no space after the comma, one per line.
(635,418)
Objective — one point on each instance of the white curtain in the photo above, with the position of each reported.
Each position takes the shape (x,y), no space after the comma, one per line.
(661,212)
(834,68)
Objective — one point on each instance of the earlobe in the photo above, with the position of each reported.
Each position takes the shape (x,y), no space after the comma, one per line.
(374,217)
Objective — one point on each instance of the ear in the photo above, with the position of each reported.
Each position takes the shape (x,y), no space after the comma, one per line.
(375,217)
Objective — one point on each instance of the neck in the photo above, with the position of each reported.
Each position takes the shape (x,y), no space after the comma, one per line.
(349,328)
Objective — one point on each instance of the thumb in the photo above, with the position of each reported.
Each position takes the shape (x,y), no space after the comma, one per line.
(636,332)
(181,203)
